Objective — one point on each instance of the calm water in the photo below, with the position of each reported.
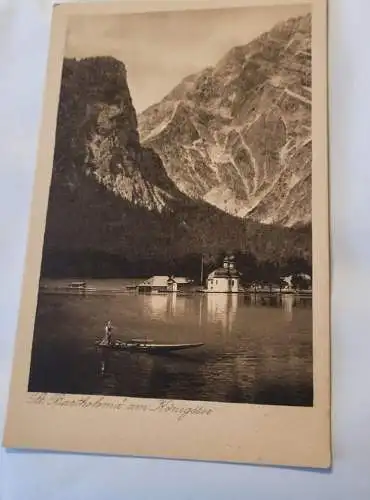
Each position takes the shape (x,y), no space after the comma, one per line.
(256,351)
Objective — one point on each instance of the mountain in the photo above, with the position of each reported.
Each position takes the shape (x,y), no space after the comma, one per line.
(238,135)
(111,199)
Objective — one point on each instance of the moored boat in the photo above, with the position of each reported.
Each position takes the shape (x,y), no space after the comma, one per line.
(77,285)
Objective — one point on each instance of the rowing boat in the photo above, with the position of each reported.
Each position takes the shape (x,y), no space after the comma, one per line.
(138,345)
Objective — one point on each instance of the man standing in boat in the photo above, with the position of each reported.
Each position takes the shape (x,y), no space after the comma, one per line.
(108,332)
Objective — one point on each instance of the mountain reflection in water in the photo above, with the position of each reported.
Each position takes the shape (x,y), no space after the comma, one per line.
(258,349)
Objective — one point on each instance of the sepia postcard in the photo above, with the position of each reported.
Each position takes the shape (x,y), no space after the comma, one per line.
(176,294)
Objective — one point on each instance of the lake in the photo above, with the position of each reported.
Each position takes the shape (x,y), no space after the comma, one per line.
(258,349)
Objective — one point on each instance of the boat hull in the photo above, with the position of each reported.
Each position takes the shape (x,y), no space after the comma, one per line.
(147,348)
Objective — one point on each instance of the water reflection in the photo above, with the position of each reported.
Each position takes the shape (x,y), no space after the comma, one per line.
(287,302)
(155,306)
(221,309)
(257,348)
(303,301)
(164,306)
(172,305)
(266,300)
(216,308)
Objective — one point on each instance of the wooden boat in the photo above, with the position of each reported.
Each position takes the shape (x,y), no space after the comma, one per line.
(144,345)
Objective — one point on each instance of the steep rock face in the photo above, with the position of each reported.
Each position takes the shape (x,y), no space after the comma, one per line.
(238,135)
(97,135)
(107,191)
(110,194)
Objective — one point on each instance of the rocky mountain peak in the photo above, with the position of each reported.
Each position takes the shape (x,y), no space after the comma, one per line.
(238,135)
(98,136)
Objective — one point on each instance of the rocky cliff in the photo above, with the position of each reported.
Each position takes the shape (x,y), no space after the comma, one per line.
(110,195)
(238,135)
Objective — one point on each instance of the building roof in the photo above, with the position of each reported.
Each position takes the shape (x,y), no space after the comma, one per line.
(180,280)
(224,273)
(155,281)
(162,281)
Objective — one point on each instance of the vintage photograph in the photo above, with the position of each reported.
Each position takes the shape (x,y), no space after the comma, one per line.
(176,293)
(177,259)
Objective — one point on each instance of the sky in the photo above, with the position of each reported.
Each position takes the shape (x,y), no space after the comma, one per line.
(160,49)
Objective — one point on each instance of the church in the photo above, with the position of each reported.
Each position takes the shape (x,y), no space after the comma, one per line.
(225,279)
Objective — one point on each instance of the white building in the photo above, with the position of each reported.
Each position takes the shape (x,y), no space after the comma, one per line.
(225,279)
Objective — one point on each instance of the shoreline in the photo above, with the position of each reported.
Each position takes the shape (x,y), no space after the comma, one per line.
(65,289)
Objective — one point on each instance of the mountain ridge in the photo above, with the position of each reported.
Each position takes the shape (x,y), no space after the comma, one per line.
(111,196)
(245,141)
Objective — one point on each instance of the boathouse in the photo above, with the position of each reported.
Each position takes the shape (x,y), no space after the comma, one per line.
(225,279)
(163,284)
